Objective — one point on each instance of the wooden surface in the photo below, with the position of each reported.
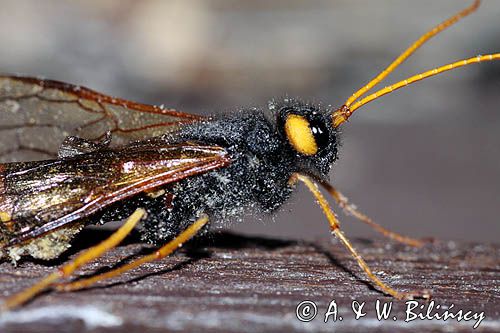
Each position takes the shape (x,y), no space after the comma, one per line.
(234,283)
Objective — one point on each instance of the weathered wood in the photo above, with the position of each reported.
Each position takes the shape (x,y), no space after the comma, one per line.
(234,283)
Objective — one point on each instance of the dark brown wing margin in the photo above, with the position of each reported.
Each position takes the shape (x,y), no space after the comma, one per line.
(38,197)
(32,108)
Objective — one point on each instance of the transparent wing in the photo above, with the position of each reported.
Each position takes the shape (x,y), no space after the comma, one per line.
(36,115)
(41,196)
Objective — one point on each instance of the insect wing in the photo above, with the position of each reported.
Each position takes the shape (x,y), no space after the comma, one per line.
(37,197)
(31,109)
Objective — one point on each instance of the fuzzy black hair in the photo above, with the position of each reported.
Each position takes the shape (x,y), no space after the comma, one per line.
(262,162)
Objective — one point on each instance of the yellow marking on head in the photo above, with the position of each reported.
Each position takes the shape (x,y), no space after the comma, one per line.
(299,135)
(5,217)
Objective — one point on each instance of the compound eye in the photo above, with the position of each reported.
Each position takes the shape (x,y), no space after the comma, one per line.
(301,135)
(320,133)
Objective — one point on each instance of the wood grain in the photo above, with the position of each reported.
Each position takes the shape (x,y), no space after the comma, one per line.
(233,283)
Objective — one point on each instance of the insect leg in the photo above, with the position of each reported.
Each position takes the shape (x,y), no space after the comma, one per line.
(335,228)
(162,252)
(350,209)
(67,269)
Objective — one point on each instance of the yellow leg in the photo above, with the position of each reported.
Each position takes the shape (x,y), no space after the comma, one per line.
(350,209)
(159,254)
(67,269)
(334,226)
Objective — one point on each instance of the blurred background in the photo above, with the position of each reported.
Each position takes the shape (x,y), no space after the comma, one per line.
(423,161)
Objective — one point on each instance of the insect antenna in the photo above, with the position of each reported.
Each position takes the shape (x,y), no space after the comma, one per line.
(424,75)
(410,50)
(346,110)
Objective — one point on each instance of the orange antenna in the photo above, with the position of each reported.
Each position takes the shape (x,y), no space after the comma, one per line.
(344,112)
(421,76)
(409,51)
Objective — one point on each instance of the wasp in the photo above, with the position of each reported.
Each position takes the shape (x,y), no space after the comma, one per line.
(75,157)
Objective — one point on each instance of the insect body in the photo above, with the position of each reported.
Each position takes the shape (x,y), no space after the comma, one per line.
(175,171)
(256,180)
